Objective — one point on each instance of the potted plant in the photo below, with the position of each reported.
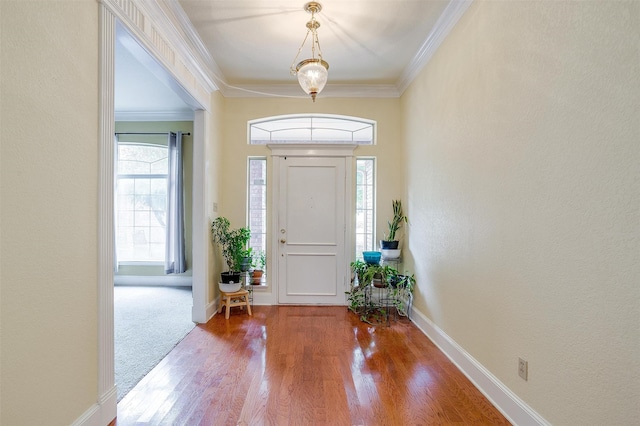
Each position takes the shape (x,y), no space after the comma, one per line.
(402,293)
(245,259)
(260,262)
(370,307)
(390,241)
(378,275)
(358,267)
(233,243)
(374,308)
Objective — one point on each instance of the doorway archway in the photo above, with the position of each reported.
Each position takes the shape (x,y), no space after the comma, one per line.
(136,22)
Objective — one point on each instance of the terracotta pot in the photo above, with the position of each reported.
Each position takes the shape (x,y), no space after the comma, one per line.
(256,276)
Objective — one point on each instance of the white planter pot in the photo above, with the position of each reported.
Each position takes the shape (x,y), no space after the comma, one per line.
(388,254)
(230,288)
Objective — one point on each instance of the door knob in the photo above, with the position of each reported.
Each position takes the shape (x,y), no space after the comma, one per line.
(283,241)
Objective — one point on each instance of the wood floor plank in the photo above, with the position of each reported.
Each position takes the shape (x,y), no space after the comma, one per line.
(305,365)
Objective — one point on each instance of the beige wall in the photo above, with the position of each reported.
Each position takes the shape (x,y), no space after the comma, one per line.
(520,166)
(235,151)
(523,191)
(187,161)
(214,182)
(48,247)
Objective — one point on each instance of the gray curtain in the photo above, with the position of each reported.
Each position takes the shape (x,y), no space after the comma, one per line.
(174,262)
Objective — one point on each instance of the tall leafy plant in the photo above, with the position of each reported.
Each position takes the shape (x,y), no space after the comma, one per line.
(396,221)
(232,241)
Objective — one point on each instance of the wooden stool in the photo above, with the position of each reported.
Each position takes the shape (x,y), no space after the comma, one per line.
(237,298)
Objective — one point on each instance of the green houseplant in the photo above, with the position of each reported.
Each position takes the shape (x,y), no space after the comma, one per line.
(360,300)
(396,288)
(233,243)
(390,241)
(357,268)
(259,263)
(245,259)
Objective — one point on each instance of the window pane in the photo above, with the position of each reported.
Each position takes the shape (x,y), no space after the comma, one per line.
(125,186)
(310,129)
(257,205)
(365,204)
(142,186)
(125,218)
(157,235)
(125,202)
(159,186)
(141,202)
(160,166)
(141,218)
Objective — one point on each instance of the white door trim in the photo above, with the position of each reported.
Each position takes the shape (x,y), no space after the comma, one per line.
(278,152)
(140,23)
(319,150)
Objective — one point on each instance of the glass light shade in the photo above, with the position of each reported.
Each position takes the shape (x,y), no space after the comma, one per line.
(312,76)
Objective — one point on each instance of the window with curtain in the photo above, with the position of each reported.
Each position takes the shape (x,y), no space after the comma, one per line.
(141,189)
(365,205)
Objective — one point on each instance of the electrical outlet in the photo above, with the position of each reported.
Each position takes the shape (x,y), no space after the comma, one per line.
(215,207)
(523,368)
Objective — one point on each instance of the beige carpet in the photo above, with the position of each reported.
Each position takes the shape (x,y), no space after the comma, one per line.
(148,323)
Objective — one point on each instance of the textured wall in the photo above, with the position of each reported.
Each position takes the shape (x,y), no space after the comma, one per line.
(522,153)
(214,185)
(49,112)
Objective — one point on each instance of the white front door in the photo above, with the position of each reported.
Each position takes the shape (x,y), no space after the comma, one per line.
(311,226)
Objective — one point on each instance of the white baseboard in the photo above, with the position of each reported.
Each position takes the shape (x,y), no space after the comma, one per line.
(512,407)
(100,413)
(91,417)
(212,307)
(154,280)
(109,406)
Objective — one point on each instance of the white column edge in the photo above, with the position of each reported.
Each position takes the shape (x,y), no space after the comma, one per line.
(106,377)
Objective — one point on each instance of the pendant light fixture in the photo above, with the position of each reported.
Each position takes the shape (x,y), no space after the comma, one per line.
(312,73)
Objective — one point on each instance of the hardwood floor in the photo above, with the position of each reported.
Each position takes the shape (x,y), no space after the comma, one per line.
(305,365)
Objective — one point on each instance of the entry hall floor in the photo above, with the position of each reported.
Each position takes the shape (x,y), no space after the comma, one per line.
(305,365)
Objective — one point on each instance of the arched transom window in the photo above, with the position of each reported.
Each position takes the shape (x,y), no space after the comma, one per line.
(312,129)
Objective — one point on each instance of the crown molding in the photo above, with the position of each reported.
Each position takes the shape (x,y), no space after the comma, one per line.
(156,29)
(184,26)
(452,13)
(168,18)
(207,65)
(196,64)
(293,90)
(154,116)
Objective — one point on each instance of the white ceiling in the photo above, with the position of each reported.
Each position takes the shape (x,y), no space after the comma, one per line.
(375,45)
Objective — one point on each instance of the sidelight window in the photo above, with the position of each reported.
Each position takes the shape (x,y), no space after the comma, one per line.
(257,203)
(365,205)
